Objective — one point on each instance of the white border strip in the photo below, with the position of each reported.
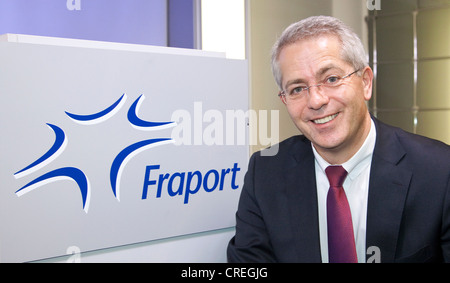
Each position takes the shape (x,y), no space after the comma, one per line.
(44,40)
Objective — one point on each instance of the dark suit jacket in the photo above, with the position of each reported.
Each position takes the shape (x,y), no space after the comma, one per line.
(408,215)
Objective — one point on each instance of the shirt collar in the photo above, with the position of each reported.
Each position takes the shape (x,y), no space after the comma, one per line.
(356,164)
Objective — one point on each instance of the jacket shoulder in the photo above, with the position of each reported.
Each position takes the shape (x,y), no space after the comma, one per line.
(417,147)
(291,146)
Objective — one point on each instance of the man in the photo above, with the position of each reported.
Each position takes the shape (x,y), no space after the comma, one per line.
(392,201)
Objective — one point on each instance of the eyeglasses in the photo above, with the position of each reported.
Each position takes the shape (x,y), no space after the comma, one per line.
(296,91)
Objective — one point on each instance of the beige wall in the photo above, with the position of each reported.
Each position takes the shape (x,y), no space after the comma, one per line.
(266,21)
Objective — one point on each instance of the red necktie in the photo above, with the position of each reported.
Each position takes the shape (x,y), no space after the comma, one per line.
(341,242)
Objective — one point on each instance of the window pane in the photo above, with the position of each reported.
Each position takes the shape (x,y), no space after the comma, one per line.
(395,38)
(395,86)
(433,33)
(434,124)
(433,3)
(401,119)
(394,6)
(433,86)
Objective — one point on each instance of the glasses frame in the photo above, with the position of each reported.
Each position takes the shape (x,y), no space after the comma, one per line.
(282,93)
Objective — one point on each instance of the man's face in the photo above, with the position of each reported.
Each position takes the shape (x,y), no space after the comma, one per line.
(335,120)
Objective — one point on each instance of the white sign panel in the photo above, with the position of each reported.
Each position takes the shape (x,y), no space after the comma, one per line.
(102,148)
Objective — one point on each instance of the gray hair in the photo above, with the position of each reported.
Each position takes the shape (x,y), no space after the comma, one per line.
(352,48)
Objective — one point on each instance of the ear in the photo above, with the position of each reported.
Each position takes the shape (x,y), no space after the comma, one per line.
(367,79)
(282,98)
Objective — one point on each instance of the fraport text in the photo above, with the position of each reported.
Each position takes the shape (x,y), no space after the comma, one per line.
(188,183)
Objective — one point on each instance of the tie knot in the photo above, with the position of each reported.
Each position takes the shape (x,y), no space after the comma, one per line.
(336,175)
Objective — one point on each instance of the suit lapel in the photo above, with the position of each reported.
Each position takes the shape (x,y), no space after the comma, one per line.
(388,187)
(302,201)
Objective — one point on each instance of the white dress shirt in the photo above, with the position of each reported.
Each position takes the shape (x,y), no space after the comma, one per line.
(356,187)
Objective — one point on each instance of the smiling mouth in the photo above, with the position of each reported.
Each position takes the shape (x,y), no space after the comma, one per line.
(325,119)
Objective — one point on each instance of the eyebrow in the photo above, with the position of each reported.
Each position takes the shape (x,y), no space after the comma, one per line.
(320,73)
(328,68)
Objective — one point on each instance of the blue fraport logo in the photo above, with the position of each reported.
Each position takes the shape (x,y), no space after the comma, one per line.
(75,174)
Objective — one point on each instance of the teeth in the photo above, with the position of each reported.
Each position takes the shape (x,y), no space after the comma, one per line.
(326,119)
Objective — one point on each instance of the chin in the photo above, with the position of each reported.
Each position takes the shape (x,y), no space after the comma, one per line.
(328,143)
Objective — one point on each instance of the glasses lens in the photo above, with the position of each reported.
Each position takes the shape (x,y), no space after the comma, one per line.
(294,93)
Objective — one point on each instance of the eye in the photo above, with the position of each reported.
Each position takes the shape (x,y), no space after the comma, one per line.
(297,90)
(332,80)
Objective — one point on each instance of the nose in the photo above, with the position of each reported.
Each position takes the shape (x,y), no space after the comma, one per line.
(316,98)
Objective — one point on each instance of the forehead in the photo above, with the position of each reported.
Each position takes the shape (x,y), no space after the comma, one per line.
(307,57)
